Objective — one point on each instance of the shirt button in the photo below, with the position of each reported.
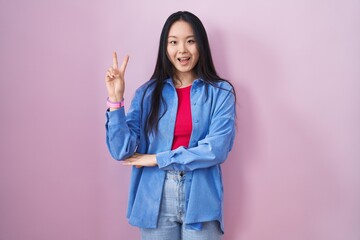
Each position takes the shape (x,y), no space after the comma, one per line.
(196,121)
(194,103)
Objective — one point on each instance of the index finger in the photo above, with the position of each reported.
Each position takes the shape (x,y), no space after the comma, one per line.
(115,61)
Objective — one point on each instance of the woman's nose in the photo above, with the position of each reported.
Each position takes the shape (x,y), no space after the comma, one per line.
(182,48)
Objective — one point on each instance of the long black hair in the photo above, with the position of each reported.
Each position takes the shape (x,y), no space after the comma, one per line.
(164,69)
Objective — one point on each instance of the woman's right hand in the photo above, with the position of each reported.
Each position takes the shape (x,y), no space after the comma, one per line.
(115,82)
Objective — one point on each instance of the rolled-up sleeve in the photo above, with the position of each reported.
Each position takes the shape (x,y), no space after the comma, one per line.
(122,131)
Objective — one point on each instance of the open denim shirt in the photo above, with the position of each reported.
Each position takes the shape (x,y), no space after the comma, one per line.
(213,116)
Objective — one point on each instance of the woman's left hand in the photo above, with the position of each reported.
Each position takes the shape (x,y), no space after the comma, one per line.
(141,160)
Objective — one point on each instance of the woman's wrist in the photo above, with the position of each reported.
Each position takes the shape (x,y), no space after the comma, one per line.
(116,98)
(114,105)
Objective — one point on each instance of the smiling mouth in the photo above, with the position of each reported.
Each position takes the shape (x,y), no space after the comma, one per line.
(183,59)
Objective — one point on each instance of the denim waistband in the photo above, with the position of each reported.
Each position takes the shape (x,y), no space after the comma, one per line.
(173,174)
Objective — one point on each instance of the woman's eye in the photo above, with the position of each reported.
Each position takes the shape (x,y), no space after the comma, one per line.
(172,42)
(191,41)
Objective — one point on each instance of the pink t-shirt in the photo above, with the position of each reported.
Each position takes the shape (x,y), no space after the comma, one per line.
(183,123)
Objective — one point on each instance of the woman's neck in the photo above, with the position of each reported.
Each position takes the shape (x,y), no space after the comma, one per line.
(184,79)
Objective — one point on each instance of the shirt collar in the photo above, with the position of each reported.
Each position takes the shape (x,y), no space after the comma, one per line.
(170,81)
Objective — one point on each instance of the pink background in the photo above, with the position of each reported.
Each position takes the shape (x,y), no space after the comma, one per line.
(294,173)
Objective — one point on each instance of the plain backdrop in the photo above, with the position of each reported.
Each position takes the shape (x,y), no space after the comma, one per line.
(294,172)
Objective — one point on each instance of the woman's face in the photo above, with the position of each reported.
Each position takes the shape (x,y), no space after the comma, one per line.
(182,49)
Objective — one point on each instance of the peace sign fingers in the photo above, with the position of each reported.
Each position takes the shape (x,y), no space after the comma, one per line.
(115,80)
(115,65)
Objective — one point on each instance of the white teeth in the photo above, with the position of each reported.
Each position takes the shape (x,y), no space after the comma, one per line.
(182,59)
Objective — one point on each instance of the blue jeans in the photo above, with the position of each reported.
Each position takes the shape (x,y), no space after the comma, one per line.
(172,215)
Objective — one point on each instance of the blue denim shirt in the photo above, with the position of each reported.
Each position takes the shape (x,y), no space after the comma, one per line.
(213,116)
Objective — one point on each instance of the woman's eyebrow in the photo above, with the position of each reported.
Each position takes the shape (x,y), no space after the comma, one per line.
(190,36)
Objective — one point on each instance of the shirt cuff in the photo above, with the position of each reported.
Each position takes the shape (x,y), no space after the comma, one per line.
(116,117)
(163,159)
